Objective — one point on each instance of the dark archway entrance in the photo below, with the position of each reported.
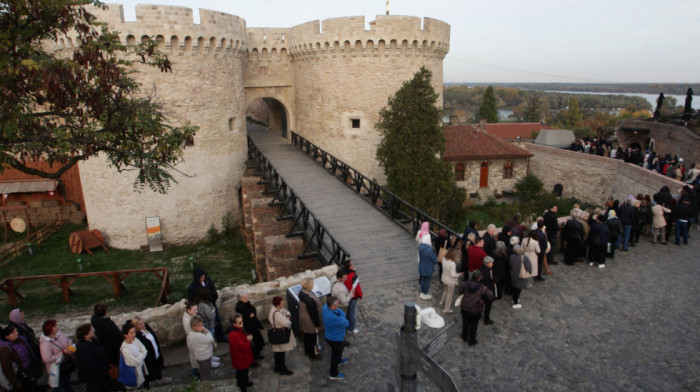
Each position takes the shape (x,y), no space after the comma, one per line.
(270,113)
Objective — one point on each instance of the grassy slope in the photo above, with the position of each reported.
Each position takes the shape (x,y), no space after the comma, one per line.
(225,258)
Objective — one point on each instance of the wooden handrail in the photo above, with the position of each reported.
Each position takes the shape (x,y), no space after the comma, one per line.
(64,281)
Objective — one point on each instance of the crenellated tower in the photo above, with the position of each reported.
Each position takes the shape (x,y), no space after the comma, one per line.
(326,80)
(344,73)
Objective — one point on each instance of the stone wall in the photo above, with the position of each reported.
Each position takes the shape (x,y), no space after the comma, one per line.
(205,89)
(593,178)
(497,183)
(668,138)
(166,320)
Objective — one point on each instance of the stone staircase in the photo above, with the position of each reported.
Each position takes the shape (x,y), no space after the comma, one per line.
(485,194)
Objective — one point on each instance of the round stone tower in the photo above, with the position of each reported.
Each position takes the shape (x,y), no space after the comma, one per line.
(205,88)
(343,75)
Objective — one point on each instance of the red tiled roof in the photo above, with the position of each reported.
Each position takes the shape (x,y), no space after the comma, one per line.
(513,130)
(463,142)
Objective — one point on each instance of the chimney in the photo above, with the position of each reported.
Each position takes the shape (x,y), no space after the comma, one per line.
(482,125)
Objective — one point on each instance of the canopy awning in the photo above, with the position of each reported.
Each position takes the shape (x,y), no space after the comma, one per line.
(28,186)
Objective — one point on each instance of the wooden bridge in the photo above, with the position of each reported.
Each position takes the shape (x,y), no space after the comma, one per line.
(384,250)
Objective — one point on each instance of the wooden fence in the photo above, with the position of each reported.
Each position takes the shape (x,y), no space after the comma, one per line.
(64,281)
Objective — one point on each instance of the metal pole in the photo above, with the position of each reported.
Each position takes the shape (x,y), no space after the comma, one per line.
(408,366)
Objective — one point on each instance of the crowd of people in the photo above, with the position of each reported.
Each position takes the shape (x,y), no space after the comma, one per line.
(667,164)
(494,264)
(109,357)
(481,267)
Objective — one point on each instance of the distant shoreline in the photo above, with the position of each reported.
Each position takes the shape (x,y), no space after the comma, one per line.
(611,88)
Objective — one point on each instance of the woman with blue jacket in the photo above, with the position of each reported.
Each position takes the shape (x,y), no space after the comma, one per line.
(335,322)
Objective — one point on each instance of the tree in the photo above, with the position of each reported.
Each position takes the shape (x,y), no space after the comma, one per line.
(533,110)
(410,149)
(573,115)
(487,110)
(72,106)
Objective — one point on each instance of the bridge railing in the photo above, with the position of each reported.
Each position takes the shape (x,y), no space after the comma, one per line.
(401,212)
(319,243)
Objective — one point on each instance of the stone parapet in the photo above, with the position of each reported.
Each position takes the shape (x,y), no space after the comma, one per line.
(166,320)
(593,178)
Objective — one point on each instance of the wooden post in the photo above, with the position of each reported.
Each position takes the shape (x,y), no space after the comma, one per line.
(117,285)
(65,291)
(11,291)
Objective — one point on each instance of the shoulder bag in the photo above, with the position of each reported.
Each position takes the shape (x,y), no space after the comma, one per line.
(523,272)
(278,335)
(127,374)
(67,364)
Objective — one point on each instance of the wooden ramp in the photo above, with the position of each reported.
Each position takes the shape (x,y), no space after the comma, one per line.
(382,251)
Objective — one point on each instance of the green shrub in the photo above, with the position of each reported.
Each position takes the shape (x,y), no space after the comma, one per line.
(529,187)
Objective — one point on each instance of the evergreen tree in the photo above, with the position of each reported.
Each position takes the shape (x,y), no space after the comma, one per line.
(488,109)
(573,115)
(412,142)
(533,109)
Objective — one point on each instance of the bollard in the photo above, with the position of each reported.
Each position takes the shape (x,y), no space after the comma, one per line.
(408,366)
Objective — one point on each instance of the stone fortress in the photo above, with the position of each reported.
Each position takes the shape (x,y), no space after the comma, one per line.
(326,80)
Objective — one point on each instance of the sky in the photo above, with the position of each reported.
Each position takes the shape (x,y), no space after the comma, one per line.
(567,41)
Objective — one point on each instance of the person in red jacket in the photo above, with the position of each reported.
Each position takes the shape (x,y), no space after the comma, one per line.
(352,306)
(241,351)
(476,254)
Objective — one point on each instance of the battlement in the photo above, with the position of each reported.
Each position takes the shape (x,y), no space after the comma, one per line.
(218,34)
(389,35)
(265,44)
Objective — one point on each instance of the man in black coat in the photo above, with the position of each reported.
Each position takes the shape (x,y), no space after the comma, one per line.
(487,280)
(542,241)
(107,332)
(552,229)
(200,278)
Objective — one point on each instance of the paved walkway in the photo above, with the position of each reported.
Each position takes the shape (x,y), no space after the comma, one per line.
(630,327)
(382,251)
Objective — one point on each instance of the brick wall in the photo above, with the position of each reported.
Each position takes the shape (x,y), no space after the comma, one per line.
(281,257)
(274,254)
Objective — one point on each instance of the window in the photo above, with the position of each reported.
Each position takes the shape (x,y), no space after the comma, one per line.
(355,122)
(508,170)
(459,172)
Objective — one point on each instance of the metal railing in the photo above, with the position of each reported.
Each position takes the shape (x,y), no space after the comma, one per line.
(398,210)
(319,243)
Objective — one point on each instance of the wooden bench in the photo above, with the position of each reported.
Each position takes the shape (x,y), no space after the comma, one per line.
(64,281)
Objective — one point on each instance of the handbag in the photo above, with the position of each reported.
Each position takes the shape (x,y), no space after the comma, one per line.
(458,301)
(278,335)
(127,374)
(523,272)
(317,346)
(441,254)
(67,364)
(113,373)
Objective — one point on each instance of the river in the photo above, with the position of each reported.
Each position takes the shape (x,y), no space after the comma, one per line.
(680,99)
